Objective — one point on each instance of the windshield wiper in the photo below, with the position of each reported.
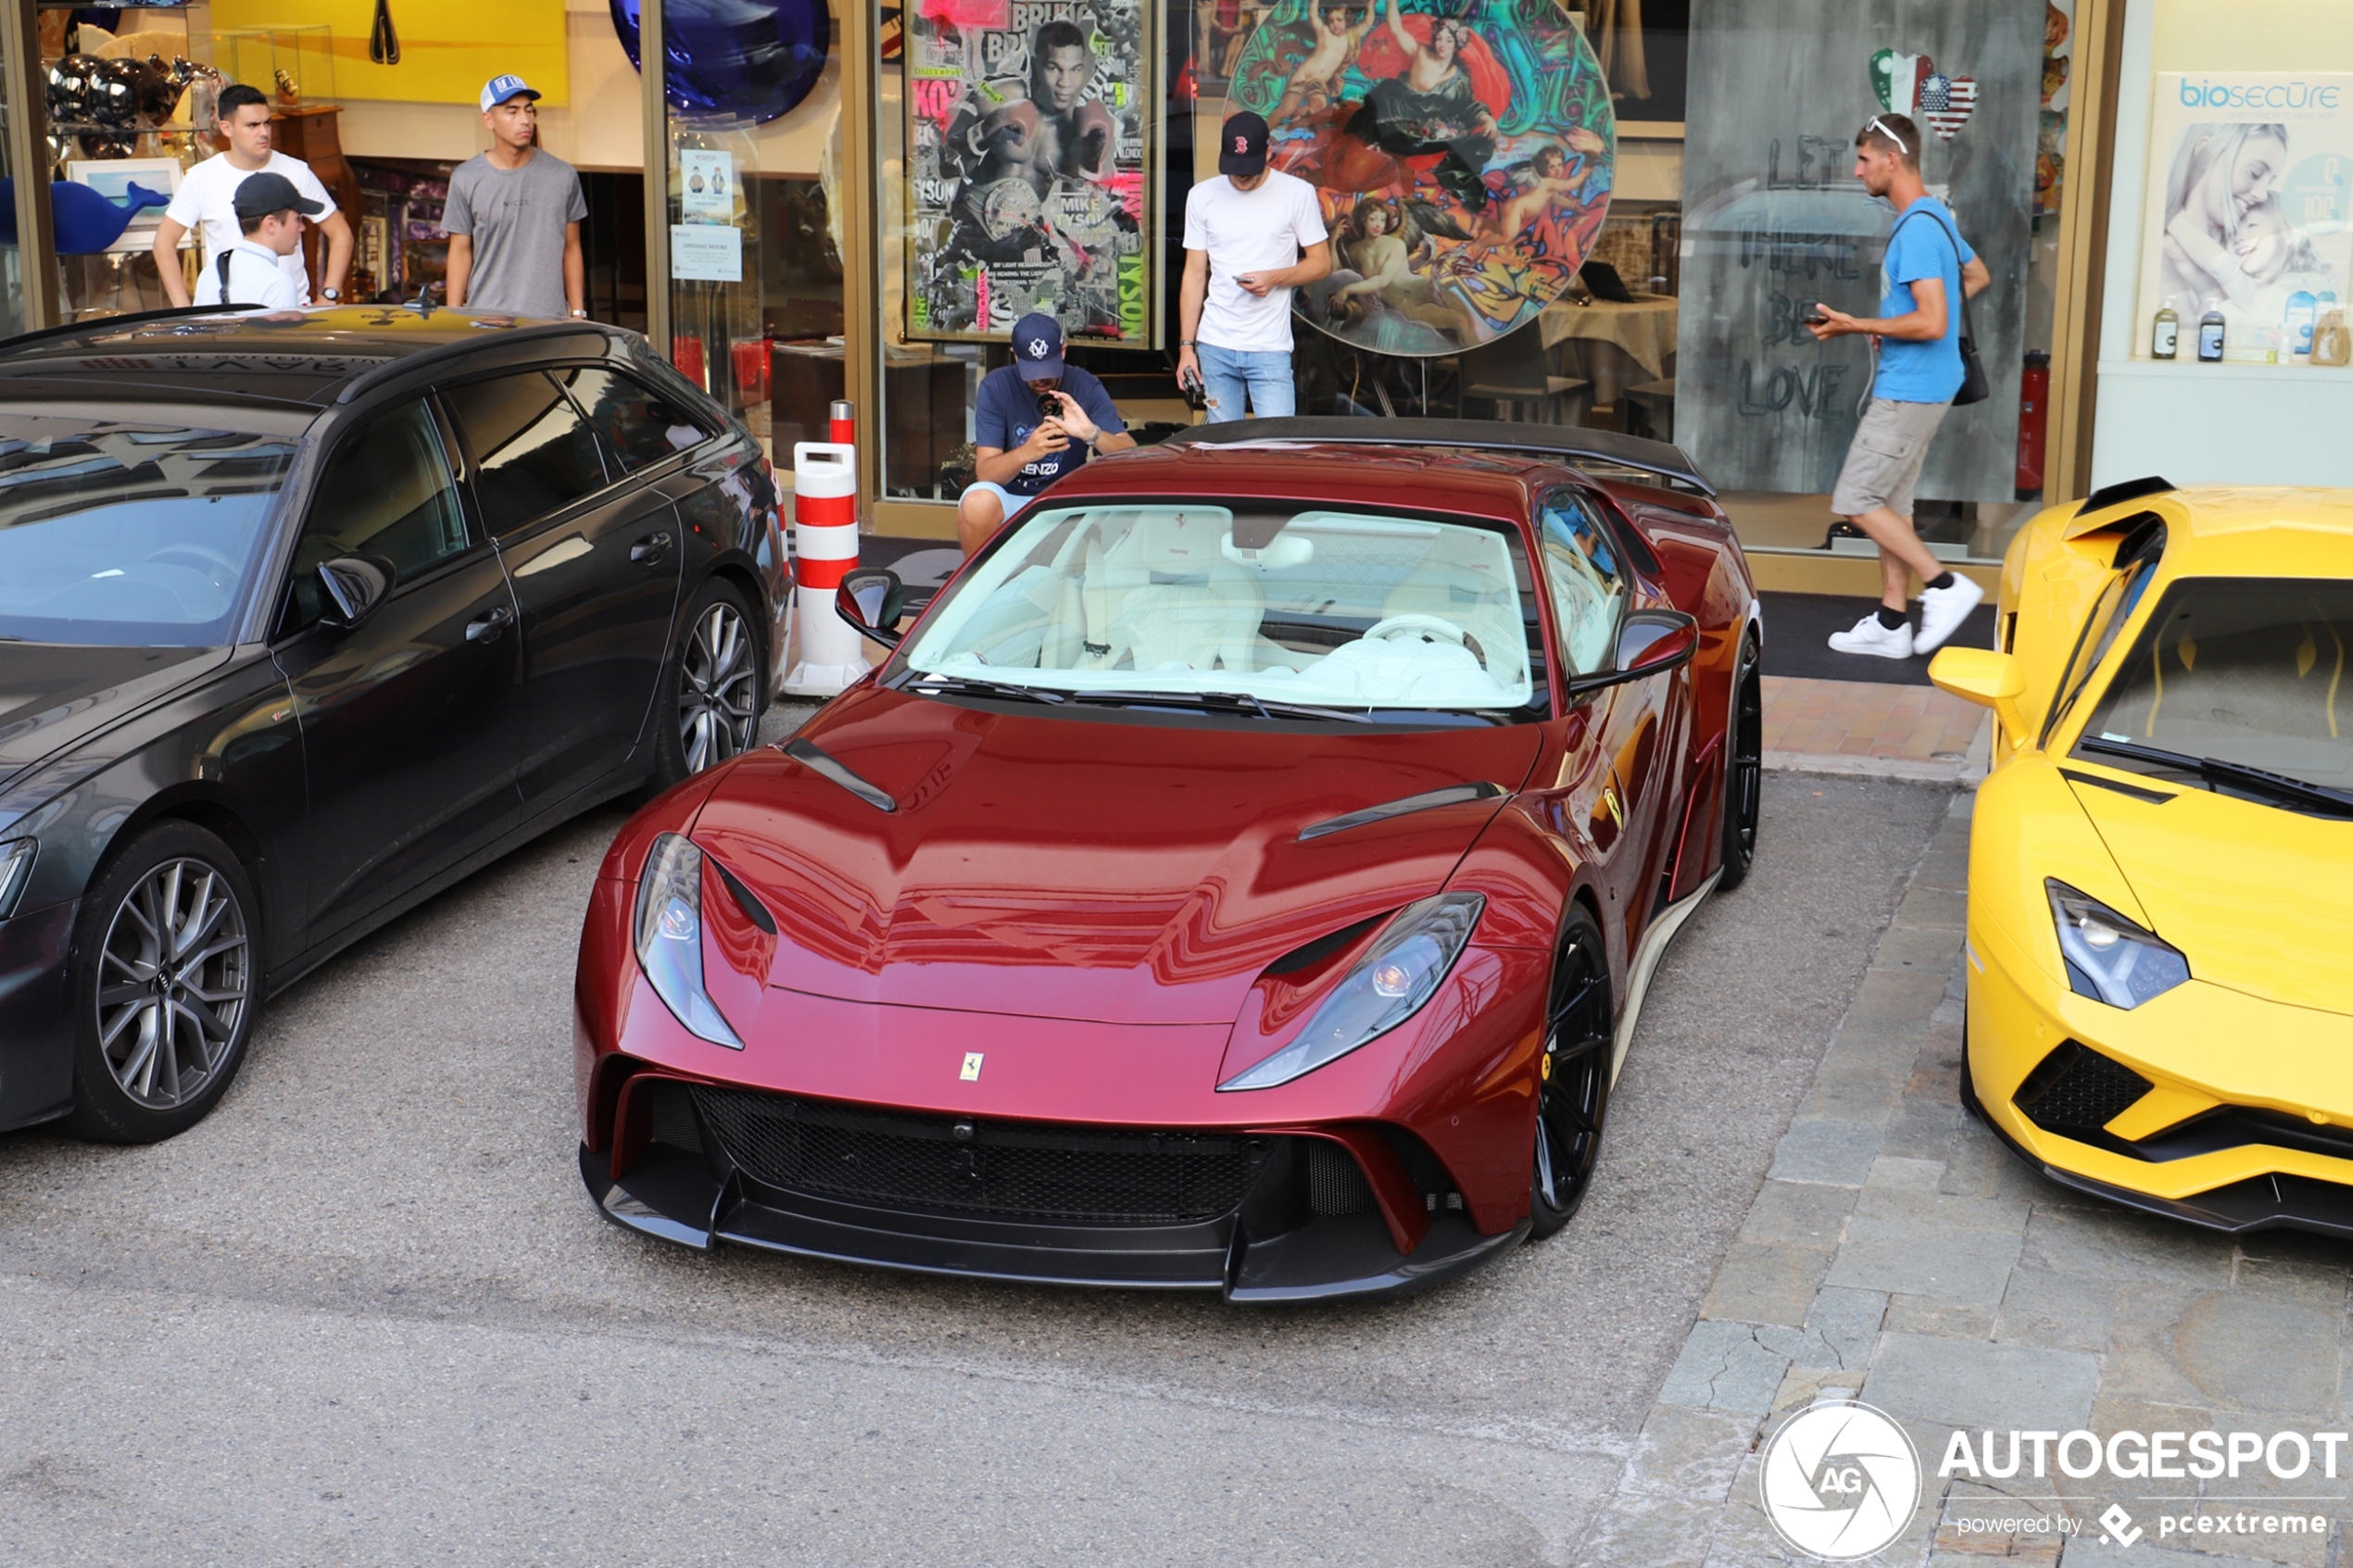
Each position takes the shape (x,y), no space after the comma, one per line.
(2216,771)
(1222,702)
(966,686)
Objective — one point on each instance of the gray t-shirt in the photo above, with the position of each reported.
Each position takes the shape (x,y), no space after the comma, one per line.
(517,219)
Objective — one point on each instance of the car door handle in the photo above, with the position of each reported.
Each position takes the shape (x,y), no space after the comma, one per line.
(486,626)
(649,550)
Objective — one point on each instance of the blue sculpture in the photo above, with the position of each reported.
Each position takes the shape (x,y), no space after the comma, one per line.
(86,222)
(749,59)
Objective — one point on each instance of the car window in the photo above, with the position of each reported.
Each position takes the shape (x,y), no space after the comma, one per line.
(1333,607)
(129,536)
(389,491)
(639,427)
(533,453)
(1581,572)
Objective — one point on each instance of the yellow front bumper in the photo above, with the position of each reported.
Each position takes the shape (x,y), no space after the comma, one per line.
(2201,1044)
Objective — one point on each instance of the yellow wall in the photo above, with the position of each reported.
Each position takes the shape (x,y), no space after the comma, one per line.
(2253,35)
(448,48)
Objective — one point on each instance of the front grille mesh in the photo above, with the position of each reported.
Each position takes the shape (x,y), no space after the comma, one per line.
(1335,1182)
(2077,1089)
(1093,1175)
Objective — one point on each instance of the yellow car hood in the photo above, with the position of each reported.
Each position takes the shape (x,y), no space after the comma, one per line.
(2260,898)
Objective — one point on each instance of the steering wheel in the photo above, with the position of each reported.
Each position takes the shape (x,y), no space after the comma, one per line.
(227,568)
(1384,630)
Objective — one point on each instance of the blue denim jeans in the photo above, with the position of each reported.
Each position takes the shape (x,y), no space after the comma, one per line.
(1228,374)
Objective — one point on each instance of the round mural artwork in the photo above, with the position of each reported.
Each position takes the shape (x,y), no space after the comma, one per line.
(1462,159)
(748,60)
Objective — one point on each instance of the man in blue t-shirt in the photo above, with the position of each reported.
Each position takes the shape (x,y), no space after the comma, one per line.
(1918,334)
(1021,449)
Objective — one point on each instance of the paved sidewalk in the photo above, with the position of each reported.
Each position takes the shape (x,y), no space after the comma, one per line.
(1883,731)
(1898,1253)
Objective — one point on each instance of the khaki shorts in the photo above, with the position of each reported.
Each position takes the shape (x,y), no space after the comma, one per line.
(1883,464)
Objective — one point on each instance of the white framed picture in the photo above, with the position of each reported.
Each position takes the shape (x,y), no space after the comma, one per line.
(112,177)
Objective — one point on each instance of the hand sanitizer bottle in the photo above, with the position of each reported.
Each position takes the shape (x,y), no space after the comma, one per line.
(2210,337)
(2165,338)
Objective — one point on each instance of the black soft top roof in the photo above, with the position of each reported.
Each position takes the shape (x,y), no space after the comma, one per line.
(1605,446)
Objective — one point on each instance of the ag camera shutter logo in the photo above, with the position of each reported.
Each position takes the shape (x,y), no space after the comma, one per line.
(1840,1481)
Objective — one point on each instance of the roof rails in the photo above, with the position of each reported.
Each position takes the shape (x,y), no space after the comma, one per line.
(1658,458)
(109,323)
(2123,490)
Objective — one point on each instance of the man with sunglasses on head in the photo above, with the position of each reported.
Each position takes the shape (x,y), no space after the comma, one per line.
(1928,271)
(1036,419)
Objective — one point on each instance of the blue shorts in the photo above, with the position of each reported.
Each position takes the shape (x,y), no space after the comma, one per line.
(1006,498)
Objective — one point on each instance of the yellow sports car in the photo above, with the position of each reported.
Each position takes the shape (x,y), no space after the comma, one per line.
(2160,894)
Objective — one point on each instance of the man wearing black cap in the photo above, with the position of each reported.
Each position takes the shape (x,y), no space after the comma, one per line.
(1021,447)
(1251,235)
(270,214)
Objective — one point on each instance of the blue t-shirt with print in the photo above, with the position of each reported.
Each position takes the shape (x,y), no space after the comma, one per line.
(1007,412)
(1921,246)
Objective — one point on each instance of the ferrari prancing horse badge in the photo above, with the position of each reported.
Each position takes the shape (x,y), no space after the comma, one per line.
(972,1067)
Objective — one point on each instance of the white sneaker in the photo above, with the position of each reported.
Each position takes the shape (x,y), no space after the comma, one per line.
(1942,610)
(1870,638)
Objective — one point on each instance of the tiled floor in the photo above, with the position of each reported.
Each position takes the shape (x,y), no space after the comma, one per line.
(1861,718)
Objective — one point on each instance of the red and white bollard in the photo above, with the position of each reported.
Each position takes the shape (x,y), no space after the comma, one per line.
(824,532)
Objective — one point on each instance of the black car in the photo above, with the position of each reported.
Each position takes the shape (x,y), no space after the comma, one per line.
(305,618)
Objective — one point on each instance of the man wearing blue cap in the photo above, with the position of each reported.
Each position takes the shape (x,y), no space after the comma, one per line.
(1035,420)
(513,217)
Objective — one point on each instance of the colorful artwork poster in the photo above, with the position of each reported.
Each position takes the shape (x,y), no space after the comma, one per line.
(1463,157)
(2249,199)
(1030,138)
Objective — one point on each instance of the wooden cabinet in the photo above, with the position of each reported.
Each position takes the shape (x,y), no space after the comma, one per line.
(312,134)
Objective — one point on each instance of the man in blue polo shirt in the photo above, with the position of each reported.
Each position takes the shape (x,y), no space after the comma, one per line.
(1918,330)
(1021,448)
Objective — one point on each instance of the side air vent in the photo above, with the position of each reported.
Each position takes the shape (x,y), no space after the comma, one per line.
(1336,1183)
(672,1117)
(2075,1091)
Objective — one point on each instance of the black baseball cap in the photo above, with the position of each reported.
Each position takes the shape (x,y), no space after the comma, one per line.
(1038,347)
(264,193)
(1242,146)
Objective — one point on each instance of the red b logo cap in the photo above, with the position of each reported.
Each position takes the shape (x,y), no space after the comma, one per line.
(1245,145)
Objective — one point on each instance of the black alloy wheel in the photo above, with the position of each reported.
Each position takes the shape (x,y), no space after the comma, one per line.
(1743,765)
(713,686)
(1572,1095)
(166,981)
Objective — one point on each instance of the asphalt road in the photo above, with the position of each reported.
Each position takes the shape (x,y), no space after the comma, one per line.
(366,1314)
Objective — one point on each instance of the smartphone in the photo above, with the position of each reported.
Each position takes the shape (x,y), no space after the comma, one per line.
(1813,318)
(1196,394)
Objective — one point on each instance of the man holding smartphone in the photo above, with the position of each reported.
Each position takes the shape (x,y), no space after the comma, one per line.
(1036,419)
(1918,334)
(1251,235)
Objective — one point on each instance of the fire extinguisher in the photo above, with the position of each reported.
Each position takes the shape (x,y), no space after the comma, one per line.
(2033,422)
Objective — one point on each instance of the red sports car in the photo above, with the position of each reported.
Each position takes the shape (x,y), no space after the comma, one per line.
(1243,876)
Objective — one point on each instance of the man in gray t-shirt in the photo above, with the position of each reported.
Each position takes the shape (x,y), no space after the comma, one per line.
(513,217)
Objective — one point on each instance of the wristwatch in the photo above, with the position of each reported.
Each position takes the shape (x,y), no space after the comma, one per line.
(333,296)
(580,315)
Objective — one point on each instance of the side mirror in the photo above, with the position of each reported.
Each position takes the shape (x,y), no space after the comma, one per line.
(355,585)
(872,600)
(1987,678)
(1650,641)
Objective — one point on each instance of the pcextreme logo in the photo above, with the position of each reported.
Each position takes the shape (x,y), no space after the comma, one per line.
(1841,1480)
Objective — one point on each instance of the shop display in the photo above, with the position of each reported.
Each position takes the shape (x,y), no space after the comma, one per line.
(2245,224)
(736,60)
(1464,160)
(1030,135)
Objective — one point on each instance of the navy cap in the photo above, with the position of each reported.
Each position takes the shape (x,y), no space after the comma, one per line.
(1038,347)
(263,193)
(1242,146)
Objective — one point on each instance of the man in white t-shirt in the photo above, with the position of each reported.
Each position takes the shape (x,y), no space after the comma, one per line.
(206,202)
(1251,235)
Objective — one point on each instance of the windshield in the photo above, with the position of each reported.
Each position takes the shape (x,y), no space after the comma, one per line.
(2240,670)
(129,536)
(1311,606)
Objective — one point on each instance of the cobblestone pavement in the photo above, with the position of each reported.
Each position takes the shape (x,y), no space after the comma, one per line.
(1897,1253)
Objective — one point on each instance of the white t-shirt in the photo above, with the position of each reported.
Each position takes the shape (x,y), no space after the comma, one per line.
(1250,232)
(206,202)
(255,277)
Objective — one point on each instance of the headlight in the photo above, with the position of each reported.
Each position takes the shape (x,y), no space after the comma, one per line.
(670,938)
(1388,986)
(2108,958)
(15,869)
